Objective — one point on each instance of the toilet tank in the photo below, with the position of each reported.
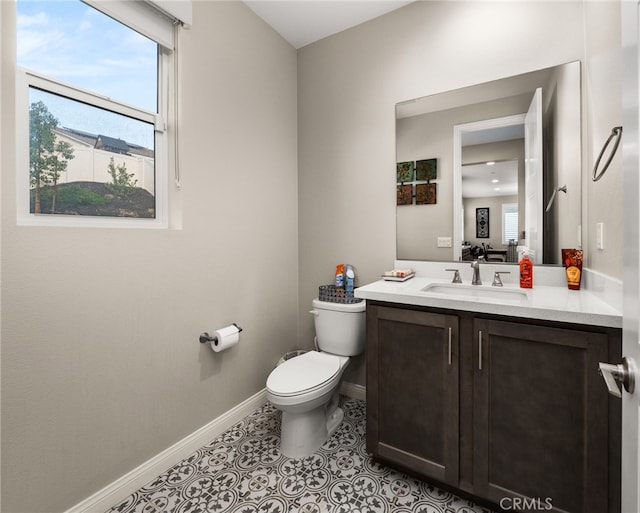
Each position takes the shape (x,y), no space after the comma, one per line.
(340,327)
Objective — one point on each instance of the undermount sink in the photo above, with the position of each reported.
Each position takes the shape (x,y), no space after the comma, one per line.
(475,292)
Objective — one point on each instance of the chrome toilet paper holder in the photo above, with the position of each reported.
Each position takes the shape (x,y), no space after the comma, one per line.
(205,337)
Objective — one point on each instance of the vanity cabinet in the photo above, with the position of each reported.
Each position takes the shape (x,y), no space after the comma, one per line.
(500,409)
(415,421)
(540,415)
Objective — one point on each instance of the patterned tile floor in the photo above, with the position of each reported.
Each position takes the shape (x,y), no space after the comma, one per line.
(242,471)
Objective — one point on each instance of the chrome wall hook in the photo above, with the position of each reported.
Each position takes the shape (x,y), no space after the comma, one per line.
(553,196)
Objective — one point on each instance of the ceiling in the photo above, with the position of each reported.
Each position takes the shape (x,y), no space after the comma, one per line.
(483,180)
(302,22)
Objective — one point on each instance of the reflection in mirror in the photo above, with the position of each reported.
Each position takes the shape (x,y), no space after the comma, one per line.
(492,185)
(533,140)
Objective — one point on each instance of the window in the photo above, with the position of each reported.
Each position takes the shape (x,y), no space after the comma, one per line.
(509,222)
(91,105)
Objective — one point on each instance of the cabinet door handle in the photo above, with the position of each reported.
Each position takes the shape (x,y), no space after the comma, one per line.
(479,350)
(449,345)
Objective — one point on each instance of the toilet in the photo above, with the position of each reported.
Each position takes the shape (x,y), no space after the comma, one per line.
(306,388)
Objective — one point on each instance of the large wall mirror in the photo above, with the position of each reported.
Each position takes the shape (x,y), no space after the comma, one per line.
(491,171)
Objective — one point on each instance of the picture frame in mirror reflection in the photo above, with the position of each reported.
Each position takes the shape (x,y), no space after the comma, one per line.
(410,182)
(426,194)
(404,194)
(482,223)
(404,172)
(426,169)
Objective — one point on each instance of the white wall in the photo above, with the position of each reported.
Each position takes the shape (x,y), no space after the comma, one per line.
(602,110)
(348,86)
(101,364)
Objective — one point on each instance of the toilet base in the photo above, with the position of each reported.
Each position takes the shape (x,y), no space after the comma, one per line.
(334,421)
(302,434)
(335,415)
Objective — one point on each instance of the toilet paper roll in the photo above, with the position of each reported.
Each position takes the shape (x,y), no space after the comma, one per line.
(224,338)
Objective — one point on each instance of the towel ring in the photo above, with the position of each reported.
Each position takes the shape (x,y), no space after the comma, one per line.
(617,134)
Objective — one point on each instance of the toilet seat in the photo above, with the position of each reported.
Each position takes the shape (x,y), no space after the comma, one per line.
(304,374)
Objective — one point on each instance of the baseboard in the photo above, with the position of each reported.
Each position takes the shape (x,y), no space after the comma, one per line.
(354,391)
(120,489)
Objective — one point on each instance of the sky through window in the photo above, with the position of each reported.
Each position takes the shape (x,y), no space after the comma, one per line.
(72,42)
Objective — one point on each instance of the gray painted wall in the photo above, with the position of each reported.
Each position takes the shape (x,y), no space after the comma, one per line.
(289,158)
(101,364)
(348,86)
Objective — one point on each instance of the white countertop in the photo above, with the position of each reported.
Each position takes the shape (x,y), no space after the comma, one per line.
(552,303)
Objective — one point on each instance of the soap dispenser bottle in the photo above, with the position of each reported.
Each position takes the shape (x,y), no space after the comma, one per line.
(526,272)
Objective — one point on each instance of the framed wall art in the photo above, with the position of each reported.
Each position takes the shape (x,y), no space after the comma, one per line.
(426,194)
(427,169)
(482,223)
(404,172)
(404,194)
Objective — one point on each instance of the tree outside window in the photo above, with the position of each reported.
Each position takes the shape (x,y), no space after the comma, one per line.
(48,155)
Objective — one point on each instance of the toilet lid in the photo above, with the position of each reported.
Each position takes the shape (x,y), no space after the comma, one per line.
(303,372)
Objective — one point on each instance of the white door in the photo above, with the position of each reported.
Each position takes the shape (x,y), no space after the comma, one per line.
(631,314)
(533,178)
(631,247)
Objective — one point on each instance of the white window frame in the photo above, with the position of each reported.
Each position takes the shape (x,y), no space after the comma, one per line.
(506,206)
(27,78)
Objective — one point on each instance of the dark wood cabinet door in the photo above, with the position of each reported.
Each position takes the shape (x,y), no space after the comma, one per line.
(540,423)
(412,390)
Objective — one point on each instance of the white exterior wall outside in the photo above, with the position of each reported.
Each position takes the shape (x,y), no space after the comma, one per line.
(91,164)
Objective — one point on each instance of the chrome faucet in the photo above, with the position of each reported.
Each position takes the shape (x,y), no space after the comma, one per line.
(497,281)
(476,273)
(456,276)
